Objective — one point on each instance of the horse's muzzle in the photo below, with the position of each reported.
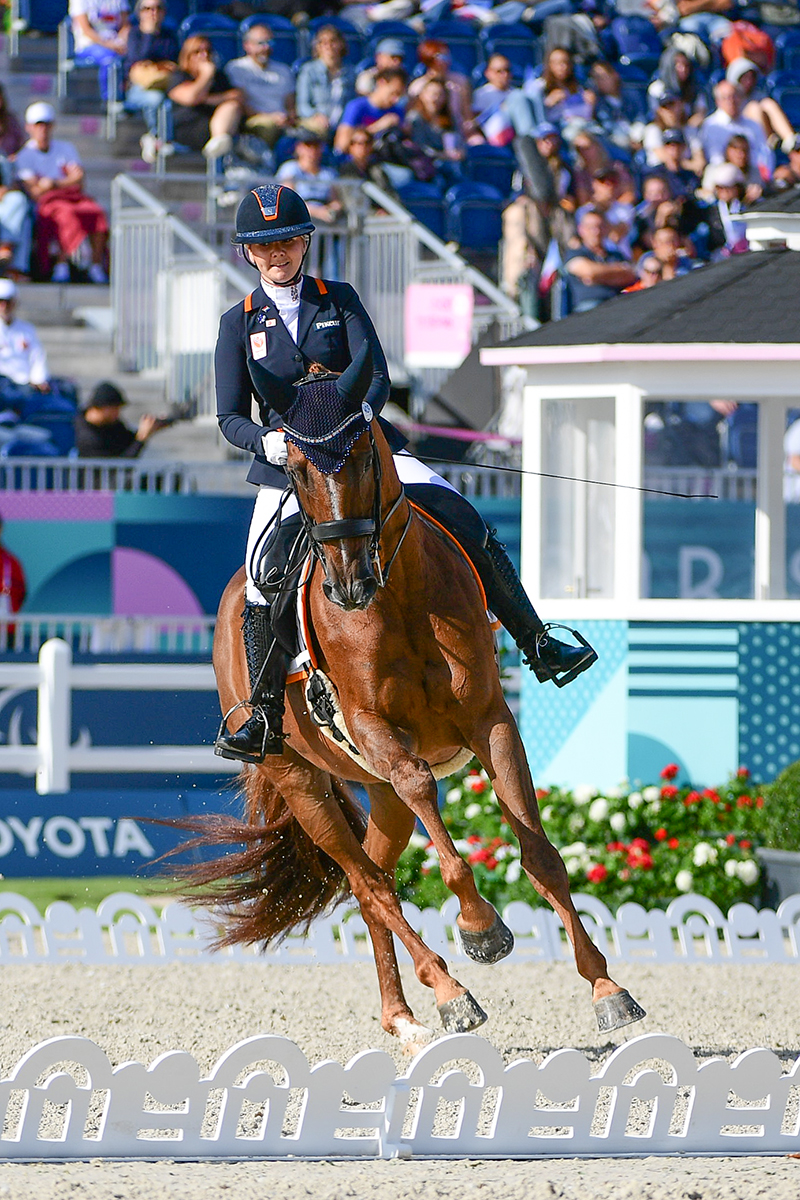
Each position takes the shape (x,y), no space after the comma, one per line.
(355,594)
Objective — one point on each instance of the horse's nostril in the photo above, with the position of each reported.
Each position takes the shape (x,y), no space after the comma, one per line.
(363,591)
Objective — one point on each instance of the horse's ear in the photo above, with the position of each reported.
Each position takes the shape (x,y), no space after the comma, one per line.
(353,384)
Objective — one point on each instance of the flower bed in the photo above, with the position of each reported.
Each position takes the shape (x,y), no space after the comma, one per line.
(619,845)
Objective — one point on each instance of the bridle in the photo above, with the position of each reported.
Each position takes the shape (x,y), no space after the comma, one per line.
(322,532)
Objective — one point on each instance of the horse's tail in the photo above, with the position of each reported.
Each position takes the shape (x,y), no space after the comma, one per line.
(281,880)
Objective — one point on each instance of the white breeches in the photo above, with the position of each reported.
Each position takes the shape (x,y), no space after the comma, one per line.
(409,469)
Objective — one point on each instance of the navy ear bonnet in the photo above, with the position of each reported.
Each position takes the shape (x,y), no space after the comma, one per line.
(329,415)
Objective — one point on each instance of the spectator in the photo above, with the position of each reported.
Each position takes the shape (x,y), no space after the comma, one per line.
(12,135)
(670,116)
(15,224)
(490,95)
(99,432)
(610,110)
(675,165)
(618,213)
(500,110)
(151,57)
(726,120)
(389,55)
(594,272)
(705,18)
(100,29)
(430,124)
(656,208)
(23,364)
(326,83)
(557,95)
(590,155)
(267,88)
(726,234)
(363,164)
(678,75)
(669,252)
(12,581)
(738,152)
(435,57)
(207,110)
(378,112)
(757,105)
(53,176)
(789,176)
(648,270)
(315,183)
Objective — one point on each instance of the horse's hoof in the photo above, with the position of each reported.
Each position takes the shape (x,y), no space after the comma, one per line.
(462,1014)
(488,945)
(617,1010)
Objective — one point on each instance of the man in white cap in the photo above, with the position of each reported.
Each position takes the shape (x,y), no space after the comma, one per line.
(22,359)
(726,120)
(52,174)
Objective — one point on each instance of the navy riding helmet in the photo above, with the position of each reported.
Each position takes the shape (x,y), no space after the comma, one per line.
(271,213)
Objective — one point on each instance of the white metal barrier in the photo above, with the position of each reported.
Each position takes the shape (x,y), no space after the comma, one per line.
(52,759)
(109,635)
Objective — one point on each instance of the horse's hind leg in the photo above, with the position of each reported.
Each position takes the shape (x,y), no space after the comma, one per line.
(390,826)
(503,757)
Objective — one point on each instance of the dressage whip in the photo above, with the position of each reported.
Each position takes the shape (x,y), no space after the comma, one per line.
(631,487)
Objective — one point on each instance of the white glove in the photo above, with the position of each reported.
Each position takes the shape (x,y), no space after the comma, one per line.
(274,444)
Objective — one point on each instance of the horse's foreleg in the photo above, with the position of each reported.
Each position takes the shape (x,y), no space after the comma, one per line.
(390,826)
(503,757)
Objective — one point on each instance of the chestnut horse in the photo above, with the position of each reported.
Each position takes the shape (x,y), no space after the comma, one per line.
(399,625)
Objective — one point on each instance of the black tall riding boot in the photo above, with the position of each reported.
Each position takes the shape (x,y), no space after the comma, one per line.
(262,732)
(547,657)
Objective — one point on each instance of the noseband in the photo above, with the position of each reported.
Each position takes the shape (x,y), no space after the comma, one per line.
(322,532)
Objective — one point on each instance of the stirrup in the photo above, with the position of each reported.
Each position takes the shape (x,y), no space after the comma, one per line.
(223,750)
(543,670)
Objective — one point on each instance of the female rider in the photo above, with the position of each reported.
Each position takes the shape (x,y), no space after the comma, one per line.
(271,339)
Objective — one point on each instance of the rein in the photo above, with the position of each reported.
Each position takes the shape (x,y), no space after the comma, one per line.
(322,532)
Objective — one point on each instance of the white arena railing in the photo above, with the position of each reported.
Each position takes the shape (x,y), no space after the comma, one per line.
(27,632)
(127,929)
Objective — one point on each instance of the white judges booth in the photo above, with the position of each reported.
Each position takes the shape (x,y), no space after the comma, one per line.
(692,604)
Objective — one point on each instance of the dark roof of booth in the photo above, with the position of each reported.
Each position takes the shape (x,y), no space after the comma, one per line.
(784,202)
(748,298)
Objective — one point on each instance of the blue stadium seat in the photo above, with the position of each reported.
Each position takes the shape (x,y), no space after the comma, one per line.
(637,42)
(286,47)
(463,42)
(787,45)
(785,90)
(205,22)
(474,216)
(517,42)
(636,101)
(44,16)
(494,165)
(426,204)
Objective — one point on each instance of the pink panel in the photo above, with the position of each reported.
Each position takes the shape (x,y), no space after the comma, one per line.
(57,506)
(145,586)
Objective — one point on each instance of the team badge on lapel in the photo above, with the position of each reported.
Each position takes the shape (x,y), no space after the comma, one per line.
(258,345)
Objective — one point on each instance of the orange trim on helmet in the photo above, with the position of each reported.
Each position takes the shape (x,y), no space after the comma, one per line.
(266,216)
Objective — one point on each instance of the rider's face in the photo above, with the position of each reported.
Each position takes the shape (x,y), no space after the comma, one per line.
(279,262)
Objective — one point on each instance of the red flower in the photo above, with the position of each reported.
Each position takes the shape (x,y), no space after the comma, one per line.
(491,863)
(692,798)
(710,794)
(670,771)
(669,792)
(742,773)
(745,845)
(660,834)
(597,873)
(744,802)
(615,847)
(473,839)
(730,839)
(624,873)
(759,801)
(542,792)
(673,843)
(640,844)
(476,784)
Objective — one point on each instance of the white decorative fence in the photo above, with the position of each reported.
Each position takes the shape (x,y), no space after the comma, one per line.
(127,929)
(262,1099)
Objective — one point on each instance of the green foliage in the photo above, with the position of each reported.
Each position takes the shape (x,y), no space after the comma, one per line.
(645,846)
(780,817)
(85,892)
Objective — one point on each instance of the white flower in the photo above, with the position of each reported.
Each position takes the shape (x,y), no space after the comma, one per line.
(650,794)
(656,806)
(462,846)
(684,881)
(453,796)
(583,793)
(503,852)
(635,800)
(576,823)
(614,793)
(430,862)
(618,822)
(730,867)
(574,848)
(747,871)
(704,853)
(418,840)
(513,871)
(598,809)
(573,865)
(472,811)
(547,813)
